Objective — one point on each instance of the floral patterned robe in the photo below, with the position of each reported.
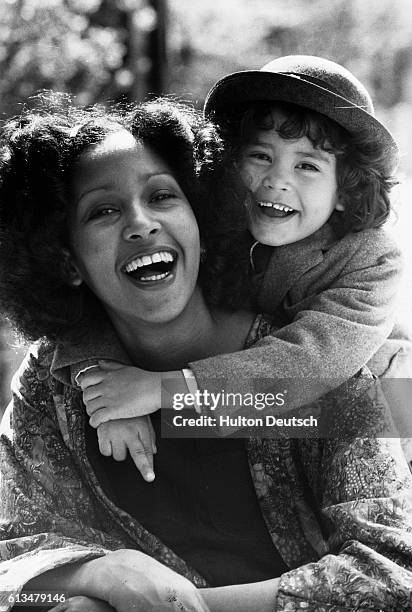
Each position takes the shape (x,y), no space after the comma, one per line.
(339,511)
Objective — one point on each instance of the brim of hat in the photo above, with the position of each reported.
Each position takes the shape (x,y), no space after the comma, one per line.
(256,85)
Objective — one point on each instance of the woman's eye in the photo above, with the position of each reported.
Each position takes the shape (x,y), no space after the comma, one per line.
(103,211)
(307,166)
(162,196)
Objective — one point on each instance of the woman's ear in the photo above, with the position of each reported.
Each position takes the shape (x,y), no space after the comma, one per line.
(203,252)
(70,270)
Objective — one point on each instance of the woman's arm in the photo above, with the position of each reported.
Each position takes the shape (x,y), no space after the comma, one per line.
(51,529)
(257,596)
(361,489)
(46,511)
(125,579)
(101,579)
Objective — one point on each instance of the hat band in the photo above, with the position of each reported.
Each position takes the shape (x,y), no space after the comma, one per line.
(320,83)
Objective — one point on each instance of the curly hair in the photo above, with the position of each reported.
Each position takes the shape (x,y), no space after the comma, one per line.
(364,182)
(38,154)
(364,179)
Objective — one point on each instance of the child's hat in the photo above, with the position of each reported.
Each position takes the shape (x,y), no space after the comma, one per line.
(306,80)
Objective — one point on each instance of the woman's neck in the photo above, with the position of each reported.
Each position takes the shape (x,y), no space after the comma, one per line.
(197,333)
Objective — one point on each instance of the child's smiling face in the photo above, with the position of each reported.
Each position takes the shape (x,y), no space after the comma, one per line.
(293,185)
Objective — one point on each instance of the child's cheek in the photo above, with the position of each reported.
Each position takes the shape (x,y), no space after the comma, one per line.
(247,177)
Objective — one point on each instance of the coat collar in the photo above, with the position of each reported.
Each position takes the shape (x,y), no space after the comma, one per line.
(288,263)
(70,358)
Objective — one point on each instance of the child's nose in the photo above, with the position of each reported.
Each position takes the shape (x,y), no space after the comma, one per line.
(276,178)
(140,223)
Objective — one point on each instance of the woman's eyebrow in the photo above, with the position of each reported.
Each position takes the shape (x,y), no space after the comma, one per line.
(109,186)
(87,192)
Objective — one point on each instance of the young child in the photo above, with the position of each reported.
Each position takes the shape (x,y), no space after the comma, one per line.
(318,168)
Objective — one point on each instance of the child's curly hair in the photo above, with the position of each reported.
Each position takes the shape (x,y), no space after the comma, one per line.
(364,182)
(364,178)
(38,153)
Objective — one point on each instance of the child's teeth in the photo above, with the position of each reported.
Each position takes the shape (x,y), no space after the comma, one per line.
(280,207)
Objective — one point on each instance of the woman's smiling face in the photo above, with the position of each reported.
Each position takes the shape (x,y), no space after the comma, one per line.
(134,237)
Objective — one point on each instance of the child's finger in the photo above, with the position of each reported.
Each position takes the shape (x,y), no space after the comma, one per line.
(100,414)
(147,436)
(84,373)
(94,377)
(143,460)
(153,436)
(105,446)
(93,407)
(119,450)
(91,393)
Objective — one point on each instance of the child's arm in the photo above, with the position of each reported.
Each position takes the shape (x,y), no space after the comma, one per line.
(340,316)
(113,385)
(333,333)
(113,391)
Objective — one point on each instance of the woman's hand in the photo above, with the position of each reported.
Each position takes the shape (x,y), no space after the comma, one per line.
(80,603)
(130,580)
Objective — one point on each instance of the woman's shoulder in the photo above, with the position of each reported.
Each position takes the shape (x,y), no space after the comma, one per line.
(34,371)
(32,405)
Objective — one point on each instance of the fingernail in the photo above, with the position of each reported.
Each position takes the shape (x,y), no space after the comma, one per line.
(150,476)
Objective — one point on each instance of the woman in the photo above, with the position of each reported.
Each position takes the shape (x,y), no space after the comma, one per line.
(273,524)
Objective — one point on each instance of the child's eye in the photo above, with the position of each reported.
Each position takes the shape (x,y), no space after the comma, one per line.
(260,156)
(307,166)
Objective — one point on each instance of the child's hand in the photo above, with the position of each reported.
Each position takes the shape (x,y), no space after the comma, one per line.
(114,391)
(135,435)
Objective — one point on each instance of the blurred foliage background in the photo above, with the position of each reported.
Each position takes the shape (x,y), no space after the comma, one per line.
(129,49)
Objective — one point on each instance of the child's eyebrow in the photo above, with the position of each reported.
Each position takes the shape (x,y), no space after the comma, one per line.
(258,142)
(317,154)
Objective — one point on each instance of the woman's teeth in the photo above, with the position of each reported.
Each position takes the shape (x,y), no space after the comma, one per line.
(153,267)
(147,260)
(155,277)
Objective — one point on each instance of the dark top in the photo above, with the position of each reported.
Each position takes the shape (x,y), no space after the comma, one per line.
(202,505)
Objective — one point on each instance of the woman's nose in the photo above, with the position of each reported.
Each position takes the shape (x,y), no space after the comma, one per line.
(140,224)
